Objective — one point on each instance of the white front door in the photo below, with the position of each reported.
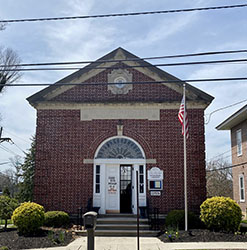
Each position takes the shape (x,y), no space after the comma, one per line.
(112,189)
(107,195)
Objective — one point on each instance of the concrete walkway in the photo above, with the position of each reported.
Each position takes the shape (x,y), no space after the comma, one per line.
(146,243)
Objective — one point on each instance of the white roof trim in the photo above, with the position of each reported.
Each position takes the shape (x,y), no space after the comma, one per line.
(234,119)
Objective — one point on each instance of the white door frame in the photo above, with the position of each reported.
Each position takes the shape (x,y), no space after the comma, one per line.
(99,199)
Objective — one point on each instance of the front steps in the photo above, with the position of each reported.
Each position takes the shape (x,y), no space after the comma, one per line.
(121,225)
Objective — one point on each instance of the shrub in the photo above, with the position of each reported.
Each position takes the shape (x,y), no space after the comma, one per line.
(28,217)
(56,237)
(56,219)
(6,192)
(221,214)
(176,219)
(4,248)
(7,206)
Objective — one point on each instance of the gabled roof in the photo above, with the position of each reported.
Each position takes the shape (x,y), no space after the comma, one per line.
(119,54)
(234,119)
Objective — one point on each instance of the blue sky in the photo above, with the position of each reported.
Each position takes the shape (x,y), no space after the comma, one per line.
(144,36)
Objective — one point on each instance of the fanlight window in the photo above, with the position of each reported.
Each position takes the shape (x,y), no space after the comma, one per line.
(120,148)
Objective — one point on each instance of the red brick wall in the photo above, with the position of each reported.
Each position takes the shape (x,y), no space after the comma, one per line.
(63,182)
(99,93)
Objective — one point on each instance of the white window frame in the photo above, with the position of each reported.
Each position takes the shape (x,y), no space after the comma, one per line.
(95,182)
(239,142)
(141,184)
(242,199)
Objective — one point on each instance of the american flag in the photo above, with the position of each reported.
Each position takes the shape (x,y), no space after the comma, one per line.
(182,116)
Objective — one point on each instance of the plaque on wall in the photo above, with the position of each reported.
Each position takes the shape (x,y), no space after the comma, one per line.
(155,174)
(155,193)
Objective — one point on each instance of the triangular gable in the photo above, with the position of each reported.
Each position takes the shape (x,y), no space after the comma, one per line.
(148,69)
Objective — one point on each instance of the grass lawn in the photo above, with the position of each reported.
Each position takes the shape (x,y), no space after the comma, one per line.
(2,222)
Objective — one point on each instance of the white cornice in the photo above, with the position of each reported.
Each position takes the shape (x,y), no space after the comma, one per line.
(71,106)
(234,120)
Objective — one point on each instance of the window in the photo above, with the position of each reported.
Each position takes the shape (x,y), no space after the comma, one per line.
(97,179)
(141,176)
(241,188)
(239,142)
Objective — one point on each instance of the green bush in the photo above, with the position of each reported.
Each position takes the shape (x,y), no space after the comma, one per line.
(176,219)
(7,207)
(28,217)
(221,214)
(56,219)
(4,248)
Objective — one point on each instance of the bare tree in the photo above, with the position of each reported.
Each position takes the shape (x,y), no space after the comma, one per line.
(219,178)
(9,65)
(10,178)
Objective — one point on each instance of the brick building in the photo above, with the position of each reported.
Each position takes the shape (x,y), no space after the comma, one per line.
(237,124)
(92,138)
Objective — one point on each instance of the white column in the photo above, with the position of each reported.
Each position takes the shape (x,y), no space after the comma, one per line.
(103,188)
(134,202)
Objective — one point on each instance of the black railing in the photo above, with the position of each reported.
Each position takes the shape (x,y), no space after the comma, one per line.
(153,218)
(82,210)
(79,218)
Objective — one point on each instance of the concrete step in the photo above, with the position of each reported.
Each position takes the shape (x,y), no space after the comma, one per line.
(117,215)
(121,227)
(143,233)
(120,220)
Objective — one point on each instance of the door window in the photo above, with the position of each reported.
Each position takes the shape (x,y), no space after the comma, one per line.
(125,189)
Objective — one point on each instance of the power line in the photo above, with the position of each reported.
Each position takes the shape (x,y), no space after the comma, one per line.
(123,14)
(4,163)
(124,66)
(130,59)
(232,166)
(134,83)
(219,109)
(18,147)
(8,150)
(219,155)
(16,136)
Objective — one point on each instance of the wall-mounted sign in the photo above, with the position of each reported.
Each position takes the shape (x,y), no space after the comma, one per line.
(112,185)
(155,179)
(155,185)
(155,174)
(155,193)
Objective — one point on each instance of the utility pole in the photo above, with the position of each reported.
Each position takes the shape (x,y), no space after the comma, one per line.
(3,139)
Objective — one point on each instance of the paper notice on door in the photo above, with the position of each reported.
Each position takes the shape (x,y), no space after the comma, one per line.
(112,185)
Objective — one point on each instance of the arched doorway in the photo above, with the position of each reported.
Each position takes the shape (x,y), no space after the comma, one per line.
(116,163)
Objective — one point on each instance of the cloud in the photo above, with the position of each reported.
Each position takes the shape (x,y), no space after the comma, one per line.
(143,35)
(80,39)
(164,29)
(225,93)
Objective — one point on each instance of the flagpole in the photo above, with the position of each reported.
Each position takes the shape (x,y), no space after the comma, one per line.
(185,164)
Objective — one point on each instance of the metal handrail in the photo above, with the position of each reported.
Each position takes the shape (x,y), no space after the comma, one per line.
(153,218)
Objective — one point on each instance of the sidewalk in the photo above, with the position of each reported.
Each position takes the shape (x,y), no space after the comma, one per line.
(146,243)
